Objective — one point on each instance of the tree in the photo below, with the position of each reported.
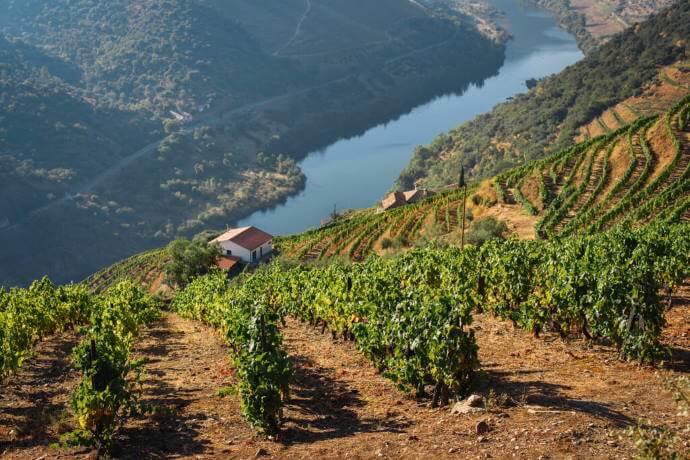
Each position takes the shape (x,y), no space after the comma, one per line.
(189,259)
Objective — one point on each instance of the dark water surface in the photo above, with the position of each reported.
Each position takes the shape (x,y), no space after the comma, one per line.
(357,172)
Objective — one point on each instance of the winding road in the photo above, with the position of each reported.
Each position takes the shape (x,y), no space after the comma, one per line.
(298,30)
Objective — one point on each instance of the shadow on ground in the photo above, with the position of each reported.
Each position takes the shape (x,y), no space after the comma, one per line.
(548,395)
(165,432)
(38,398)
(322,408)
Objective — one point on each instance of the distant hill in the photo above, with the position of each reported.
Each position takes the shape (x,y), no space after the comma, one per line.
(633,176)
(548,117)
(51,136)
(158,118)
(181,55)
(149,54)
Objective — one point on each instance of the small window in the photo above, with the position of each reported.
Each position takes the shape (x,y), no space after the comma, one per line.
(228,252)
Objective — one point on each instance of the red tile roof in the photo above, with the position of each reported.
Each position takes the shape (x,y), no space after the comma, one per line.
(393,200)
(227,262)
(248,237)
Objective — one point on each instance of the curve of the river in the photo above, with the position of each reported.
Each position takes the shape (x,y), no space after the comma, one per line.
(357,172)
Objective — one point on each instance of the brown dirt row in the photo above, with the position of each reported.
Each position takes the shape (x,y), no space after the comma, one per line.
(571,400)
(656,97)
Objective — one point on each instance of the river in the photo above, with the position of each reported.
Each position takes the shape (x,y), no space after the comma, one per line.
(357,172)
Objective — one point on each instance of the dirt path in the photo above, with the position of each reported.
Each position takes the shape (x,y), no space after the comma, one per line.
(298,30)
(570,400)
(34,402)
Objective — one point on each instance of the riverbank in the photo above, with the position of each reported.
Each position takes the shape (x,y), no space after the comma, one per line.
(356,172)
(233,162)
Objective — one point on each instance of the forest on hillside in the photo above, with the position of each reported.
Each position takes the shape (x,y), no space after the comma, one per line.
(216,100)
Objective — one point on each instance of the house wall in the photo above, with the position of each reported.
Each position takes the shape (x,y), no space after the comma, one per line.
(267,249)
(236,250)
(245,254)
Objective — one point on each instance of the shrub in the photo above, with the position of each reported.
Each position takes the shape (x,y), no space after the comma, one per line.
(486,229)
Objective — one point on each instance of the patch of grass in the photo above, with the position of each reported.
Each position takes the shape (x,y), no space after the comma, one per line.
(227,391)
(496,401)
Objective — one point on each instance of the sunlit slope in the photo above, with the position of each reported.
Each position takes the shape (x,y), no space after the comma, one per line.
(549,116)
(636,175)
(633,175)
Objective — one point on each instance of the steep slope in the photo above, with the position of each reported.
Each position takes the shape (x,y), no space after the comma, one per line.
(187,54)
(51,136)
(633,176)
(547,118)
(149,54)
(202,107)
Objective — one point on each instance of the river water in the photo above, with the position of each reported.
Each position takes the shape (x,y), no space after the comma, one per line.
(357,172)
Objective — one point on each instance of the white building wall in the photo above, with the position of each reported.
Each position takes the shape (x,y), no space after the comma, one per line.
(236,250)
(267,249)
(245,254)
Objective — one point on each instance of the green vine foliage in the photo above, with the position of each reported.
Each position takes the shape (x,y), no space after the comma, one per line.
(28,315)
(605,287)
(109,388)
(247,315)
(411,315)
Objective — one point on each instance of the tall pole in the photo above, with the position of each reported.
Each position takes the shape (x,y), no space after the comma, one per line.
(463,184)
(464,203)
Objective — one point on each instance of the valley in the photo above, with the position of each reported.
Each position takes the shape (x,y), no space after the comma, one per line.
(374,159)
(480,229)
(229,155)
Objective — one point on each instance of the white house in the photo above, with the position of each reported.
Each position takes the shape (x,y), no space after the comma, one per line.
(248,243)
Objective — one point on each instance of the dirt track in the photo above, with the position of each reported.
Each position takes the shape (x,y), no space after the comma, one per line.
(568,400)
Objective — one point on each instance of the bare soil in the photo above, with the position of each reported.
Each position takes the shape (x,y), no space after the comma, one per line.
(662,148)
(565,400)
(657,97)
(516,218)
(619,161)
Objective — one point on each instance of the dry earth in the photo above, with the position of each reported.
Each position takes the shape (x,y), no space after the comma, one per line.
(568,400)
(672,84)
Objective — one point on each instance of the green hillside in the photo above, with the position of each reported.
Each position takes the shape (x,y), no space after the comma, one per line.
(51,136)
(538,309)
(546,119)
(633,177)
(149,55)
(162,55)
(254,86)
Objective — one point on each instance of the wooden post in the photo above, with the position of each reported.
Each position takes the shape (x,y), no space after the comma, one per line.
(464,203)
(463,184)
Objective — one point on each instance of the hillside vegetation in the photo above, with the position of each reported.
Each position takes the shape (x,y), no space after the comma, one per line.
(421,320)
(547,118)
(417,331)
(51,137)
(254,87)
(632,176)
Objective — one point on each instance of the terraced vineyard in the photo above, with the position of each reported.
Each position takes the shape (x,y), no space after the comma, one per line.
(422,322)
(358,235)
(634,175)
(145,268)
